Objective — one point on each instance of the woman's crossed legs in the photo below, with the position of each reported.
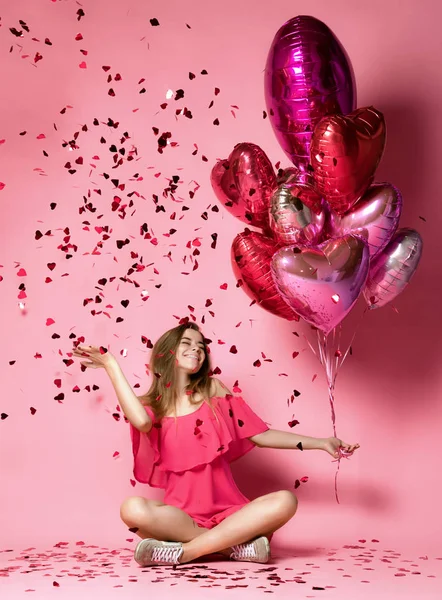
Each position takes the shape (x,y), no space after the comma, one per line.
(157,520)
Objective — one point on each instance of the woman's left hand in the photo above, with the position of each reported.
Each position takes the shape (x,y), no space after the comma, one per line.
(337,447)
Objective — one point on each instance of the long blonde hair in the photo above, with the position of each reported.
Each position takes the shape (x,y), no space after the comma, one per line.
(162,394)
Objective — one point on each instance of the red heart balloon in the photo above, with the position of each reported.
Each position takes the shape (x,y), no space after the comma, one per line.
(344,154)
(244,184)
(251,256)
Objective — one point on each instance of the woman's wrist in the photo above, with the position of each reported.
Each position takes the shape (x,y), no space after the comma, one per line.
(321,443)
(111,365)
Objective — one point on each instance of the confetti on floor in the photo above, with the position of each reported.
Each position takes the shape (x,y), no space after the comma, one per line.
(363,569)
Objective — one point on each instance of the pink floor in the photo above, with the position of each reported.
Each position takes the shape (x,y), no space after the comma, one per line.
(358,570)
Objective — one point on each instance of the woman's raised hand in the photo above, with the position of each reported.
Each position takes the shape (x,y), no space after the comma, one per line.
(99,357)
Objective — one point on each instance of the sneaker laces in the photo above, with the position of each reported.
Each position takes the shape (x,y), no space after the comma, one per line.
(244,550)
(166,554)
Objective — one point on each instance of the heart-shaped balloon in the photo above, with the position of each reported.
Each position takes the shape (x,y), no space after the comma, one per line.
(308,75)
(291,220)
(344,154)
(305,183)
(375,217)
(322,284)
(244,184)
(392,270)
(251,256)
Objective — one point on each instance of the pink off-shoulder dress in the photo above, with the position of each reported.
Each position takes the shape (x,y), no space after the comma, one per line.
(190,458)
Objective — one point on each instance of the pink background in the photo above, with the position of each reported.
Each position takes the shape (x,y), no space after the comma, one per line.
(59,477)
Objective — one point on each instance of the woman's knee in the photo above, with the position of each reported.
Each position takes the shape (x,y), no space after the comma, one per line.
(133,509)
(287,502)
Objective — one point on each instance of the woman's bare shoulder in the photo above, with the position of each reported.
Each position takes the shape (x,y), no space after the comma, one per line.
(218,389)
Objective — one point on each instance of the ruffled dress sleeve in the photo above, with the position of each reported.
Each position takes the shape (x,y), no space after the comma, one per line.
(194,440)
(238,423)
(146,453)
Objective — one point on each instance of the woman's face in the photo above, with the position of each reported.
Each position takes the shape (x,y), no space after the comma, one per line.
(190,353)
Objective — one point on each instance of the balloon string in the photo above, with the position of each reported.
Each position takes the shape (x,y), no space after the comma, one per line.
(332,359)
(327,355)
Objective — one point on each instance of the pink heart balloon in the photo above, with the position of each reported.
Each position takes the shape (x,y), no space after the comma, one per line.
(375,217)
(244,184)
(322,284)
(392,270)
(344,153)
(251,256)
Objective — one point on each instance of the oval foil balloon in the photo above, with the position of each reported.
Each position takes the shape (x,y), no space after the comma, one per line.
(375,217)
(308,75)
(391,271)
(291,220)
(244,184)
(345,153)
(251,256)
(321,284)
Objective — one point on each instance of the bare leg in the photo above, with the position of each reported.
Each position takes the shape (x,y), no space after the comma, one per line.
(266,513)
(157,520)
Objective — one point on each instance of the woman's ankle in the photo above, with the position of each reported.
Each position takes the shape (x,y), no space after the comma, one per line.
(187,555)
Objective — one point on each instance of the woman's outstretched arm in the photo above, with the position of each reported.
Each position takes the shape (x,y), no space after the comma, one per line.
(101,358)
(273,438)
(131,406)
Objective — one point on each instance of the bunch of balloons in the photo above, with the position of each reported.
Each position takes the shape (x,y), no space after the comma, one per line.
(328,233)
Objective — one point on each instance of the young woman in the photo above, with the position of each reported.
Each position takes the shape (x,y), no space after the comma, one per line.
(185,431)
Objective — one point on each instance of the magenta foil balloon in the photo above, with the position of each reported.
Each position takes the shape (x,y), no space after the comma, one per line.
(392,270)
(251,256)
(322,284)
(244,184)
(375,217)
(291,220)
(308,75)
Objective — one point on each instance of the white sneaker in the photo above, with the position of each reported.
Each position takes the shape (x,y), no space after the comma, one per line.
(257,550)
(154,552)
